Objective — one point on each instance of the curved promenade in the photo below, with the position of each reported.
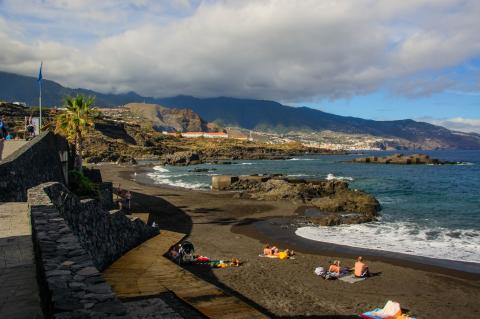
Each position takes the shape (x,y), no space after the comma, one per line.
(144,271)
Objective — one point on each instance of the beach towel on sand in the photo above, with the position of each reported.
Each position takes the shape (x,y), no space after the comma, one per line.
(273,256)
(392,310)
(351,279)
(369,315)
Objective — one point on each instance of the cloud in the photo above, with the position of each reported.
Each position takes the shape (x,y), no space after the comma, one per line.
(456,123)
(282,50)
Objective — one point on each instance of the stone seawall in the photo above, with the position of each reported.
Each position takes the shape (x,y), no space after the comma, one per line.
(105,235)
(70,285)
(73,239)
(41,160)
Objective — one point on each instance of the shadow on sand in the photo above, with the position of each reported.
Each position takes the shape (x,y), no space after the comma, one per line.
(173,218)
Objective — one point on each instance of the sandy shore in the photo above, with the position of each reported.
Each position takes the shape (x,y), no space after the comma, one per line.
(223,227)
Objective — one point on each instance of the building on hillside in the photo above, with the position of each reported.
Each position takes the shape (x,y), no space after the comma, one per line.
(197,134)
(174,134)
(192,134)
(215,135)
(20,103)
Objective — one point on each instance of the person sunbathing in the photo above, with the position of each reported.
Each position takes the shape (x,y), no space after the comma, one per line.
(235,262)
(270,251)
(335,267)
(361,269)
(285,254)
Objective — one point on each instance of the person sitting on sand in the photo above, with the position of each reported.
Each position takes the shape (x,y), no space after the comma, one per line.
(361,269)
(335,267)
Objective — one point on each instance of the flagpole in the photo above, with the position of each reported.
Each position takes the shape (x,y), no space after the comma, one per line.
(40,77)
(40,105)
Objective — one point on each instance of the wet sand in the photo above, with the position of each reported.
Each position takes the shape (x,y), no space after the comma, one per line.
(222,227)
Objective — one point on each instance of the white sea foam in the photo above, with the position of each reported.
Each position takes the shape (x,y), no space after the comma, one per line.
(163,179)
(160,169)
(246,163)
(301,159)
(331,177)
(402,237)
(464,163)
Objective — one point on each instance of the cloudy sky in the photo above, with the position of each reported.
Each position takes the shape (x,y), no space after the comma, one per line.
(367,58)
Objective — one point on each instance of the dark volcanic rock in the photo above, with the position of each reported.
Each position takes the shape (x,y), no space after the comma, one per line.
(342,204)
(181,158)
(402,159)
(126,160)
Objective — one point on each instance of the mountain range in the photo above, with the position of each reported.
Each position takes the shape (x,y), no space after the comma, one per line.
(250,114)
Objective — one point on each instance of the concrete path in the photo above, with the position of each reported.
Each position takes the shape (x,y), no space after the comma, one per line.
(7,148)
(144,271)
(19,297)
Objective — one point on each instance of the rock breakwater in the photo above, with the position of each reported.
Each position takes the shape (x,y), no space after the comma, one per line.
(415,159)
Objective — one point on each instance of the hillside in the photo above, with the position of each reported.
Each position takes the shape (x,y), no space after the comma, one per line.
(168,119)
(253,114)
(265,115)
(125,136)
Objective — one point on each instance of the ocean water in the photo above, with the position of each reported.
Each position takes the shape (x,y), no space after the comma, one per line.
(431,211)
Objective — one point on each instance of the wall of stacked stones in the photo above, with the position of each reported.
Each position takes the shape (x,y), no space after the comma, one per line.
(106,235)
(73,240)
(36,162)
(70,284)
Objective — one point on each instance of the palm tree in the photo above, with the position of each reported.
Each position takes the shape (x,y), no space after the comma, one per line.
(75,122)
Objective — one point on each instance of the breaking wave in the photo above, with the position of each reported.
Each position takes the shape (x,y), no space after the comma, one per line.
(331,177)
(301,159)
(164,179)
(402,237)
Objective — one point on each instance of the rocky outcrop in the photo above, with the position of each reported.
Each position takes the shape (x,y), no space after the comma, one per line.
(339,203)
(181,158)
(169,119)
(415,159)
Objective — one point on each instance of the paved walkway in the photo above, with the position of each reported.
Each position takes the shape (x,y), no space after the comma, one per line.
(144,271)
(7,148)
(19,298)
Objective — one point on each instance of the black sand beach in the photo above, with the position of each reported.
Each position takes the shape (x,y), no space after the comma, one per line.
(223,227)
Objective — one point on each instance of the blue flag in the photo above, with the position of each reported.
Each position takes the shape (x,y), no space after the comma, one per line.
(40,77)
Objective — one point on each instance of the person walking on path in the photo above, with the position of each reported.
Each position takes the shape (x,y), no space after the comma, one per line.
(128,199)
(3,128)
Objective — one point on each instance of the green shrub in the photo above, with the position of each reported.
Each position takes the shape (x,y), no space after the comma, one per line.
(81,185)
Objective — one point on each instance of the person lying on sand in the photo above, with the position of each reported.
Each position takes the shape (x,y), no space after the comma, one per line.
(235,262)
(285,254)
(270,251)
(275,252)
(361,269)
